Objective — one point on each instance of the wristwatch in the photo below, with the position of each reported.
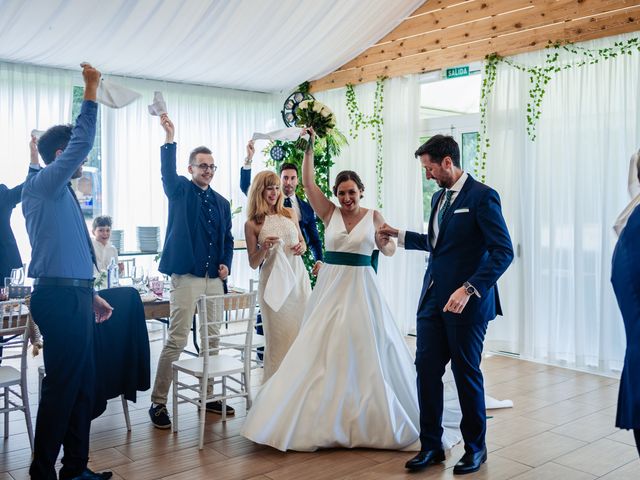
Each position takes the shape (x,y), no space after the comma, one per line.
(470,289)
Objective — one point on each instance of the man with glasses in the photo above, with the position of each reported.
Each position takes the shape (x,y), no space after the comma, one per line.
(197,254)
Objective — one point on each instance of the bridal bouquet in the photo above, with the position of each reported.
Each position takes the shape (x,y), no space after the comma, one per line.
(312,113)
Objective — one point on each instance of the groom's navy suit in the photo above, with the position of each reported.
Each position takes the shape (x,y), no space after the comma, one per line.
(473,245)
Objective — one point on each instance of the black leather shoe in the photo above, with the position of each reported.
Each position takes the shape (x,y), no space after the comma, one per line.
(89,475)
(470,462)
(425,458)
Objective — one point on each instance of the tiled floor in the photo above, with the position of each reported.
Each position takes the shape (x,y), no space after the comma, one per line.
(561,427)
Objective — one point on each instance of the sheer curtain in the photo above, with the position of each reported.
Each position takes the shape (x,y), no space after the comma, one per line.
(400,275)
(561,195)
(30,97)
(220,119)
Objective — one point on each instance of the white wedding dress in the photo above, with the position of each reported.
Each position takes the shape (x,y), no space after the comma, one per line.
(281,327)
(348,380)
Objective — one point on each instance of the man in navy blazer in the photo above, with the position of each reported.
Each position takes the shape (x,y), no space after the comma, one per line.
(306,216)
(197,254)
(470,248)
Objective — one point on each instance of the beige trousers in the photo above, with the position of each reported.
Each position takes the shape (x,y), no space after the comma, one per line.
(185,290)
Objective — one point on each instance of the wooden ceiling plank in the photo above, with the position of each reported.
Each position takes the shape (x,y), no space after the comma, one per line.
(454,16)
(544,12)
(535,39)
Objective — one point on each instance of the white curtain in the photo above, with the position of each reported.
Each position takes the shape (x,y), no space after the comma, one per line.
(30,98)
(400,275)
(220,119)
(561,195)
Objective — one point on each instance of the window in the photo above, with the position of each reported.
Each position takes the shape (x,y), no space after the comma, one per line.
(88,188)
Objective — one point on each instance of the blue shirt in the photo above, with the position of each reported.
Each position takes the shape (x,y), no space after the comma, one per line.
(206,251)
(56,227)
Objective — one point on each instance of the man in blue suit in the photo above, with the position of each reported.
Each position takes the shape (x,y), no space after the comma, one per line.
(197,254)
(289,178)
(470,249)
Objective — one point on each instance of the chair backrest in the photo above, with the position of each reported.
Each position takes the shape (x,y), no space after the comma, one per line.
(13,328)
(224,316)
(127,267)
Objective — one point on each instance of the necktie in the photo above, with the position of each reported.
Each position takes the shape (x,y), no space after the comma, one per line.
(445,206)
(86,230)
(287,202)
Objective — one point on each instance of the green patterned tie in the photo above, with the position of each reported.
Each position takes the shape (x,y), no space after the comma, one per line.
(445,206)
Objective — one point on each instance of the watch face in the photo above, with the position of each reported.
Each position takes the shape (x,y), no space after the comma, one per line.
(471,290)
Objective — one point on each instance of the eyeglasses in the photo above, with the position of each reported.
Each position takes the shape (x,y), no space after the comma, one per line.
(206,166)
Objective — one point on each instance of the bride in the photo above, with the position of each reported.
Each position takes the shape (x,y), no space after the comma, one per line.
(348,379)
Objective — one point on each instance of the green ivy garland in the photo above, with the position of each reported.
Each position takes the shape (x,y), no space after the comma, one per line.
(375,121)
(539,77)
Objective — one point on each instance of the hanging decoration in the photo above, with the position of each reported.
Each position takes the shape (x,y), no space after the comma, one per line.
(539,78)
(375,122)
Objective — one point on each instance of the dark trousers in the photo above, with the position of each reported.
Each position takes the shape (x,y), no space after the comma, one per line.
(66,320)
(438,343)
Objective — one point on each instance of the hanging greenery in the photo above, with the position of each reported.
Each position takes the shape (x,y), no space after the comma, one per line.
(374,121)
(325,150)
(539,78)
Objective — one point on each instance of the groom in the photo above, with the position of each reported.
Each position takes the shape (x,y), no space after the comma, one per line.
(470,249)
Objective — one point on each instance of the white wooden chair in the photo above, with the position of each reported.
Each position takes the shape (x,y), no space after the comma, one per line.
(257,341)
(215,368)
(125,404)
(13,327)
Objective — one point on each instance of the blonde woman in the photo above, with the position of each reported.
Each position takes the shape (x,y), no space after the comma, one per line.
(273,235)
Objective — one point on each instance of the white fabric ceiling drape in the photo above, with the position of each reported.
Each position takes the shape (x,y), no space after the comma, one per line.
(401,275)
(561,195)
(30,98)
(258,45)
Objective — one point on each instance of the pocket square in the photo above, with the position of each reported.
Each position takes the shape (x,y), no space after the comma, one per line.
(461,210)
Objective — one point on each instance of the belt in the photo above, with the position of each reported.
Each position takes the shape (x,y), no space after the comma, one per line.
(352,259)
(62,282)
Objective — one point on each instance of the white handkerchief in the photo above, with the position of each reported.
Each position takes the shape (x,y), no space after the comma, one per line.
(281,280)
(461,210)
(37,133)
(289,134)
(159,106)
(115,96)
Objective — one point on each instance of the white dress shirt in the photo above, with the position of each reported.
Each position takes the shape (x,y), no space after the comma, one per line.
(295,205)
(104,254)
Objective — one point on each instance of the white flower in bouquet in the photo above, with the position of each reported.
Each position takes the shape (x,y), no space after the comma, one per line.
(317,107)
(302,105)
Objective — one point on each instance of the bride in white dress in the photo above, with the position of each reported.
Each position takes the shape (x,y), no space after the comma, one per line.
(271,227)
(348,379)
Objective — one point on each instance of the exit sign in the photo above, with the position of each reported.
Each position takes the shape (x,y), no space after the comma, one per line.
(457,72)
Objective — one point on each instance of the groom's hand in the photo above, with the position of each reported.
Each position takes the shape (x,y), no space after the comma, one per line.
(388,230)
(457,301)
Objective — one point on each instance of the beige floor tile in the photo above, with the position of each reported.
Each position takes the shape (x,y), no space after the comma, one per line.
(599,458)
(561,412)
(553,471)
(589,428)
(623,436)
(540,449)
(630,471)
(514,430)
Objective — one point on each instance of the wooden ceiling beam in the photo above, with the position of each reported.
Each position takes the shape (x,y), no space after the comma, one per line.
(587,28)
(543,12)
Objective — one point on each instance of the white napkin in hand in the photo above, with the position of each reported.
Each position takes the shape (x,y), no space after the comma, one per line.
(288,134)
(115,96)
(159,106)
(37,133)
(281,280)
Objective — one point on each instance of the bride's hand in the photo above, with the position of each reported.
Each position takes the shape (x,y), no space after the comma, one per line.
(383,238)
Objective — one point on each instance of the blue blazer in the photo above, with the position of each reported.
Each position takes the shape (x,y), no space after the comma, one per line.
(184,206)
(625,277)
(307,221)
(473,246)
(9,254)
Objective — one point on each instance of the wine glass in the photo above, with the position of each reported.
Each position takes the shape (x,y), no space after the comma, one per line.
(17,276)
(138,277)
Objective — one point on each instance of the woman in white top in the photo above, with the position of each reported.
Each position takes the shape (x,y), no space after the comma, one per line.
(275,244)
(105,251)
